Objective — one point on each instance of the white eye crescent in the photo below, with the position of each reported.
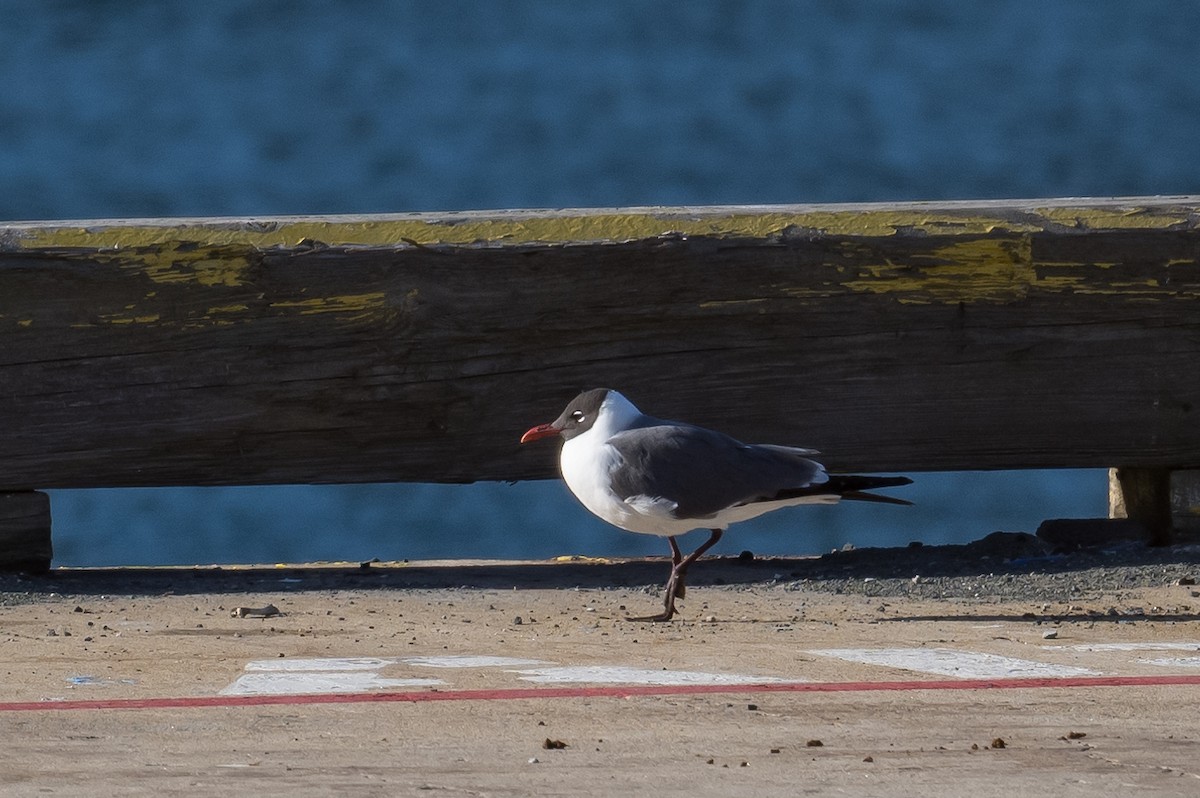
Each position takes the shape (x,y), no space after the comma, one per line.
(577,415)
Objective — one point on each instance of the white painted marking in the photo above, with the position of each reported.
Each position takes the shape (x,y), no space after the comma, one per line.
(612,674)
(295,682)
(360,674)
(323,675)
(1193,646)
(1174,662)
(948,662)
(468,661)
(323,664)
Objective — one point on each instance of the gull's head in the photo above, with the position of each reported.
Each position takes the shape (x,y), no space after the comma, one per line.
(602,409)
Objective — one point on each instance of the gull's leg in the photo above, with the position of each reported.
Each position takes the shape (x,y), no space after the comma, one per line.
(676,558)
(678,571)
(698,553)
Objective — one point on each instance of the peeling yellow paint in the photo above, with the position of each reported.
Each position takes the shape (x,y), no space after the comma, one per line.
(205,270)
(973,270)
(115,319)
(347,303)
(503,230)
(721,303)
(964,252)
(1055,264)
(172,262)
(205,323)
(1108,218)
(500,228)
(1059,282)
(1148,283)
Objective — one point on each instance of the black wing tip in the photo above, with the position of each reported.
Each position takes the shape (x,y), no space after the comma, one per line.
(862,496)
(847,486)
(854,487)
(889,482)
(862,482)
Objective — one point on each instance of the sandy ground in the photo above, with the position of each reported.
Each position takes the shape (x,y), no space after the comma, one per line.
(118,635)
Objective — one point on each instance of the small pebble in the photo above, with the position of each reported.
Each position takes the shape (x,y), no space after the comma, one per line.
(814,743)
(258,612)
(999,743)
(518,621)
(533,760)
(1050,634)
(868,758)
(752,707)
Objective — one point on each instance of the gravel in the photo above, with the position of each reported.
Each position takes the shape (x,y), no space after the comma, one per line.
(1002,566)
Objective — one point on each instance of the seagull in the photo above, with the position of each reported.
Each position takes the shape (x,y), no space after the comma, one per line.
(656,477)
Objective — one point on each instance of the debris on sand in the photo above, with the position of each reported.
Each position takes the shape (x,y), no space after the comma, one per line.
(255,612)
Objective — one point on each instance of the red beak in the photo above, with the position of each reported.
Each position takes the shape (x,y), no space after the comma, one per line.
(540,431)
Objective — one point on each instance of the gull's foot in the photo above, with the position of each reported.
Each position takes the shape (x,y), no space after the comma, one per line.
(674,589)
(665,615)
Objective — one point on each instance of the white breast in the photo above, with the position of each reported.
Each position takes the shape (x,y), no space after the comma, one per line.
(587,463)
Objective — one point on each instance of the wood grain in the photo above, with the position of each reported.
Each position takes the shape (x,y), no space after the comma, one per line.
(897,337)
(25,532)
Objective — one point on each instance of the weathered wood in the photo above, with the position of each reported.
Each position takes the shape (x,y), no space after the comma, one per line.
(1143,495)
(892,337)
(1185,500)
(25,532)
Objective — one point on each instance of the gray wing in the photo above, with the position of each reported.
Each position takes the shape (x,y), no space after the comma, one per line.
(704,472)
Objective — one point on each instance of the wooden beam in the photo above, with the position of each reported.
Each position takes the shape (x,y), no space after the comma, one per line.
(25,532)
(331,349)
(1143,495)
(1185,501)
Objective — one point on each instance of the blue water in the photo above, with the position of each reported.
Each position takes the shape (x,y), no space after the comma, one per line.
(118,109)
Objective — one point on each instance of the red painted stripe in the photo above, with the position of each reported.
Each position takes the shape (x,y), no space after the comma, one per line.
(623,691)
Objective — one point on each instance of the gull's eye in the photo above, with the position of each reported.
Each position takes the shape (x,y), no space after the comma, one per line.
(577,415)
